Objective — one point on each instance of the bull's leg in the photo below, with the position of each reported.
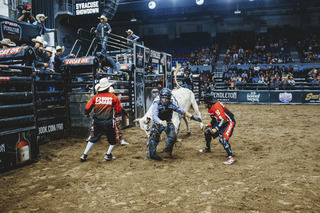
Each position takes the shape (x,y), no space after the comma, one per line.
(187,124)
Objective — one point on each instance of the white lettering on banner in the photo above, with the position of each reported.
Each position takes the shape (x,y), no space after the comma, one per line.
(10,51)
(104,100)
(50,128)
(11,29)
(232,95)
(87,8)
(155,54)
(3,148)
(253,96)
(285,97)
(77,61)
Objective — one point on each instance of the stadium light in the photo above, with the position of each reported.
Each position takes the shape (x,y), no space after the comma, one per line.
(152,5)
(199,2)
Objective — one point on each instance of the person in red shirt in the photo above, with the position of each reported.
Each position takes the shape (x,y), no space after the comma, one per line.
(222,125)
(105,106)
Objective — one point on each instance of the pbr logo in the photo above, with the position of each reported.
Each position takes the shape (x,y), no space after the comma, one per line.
(11,30)
(285,97)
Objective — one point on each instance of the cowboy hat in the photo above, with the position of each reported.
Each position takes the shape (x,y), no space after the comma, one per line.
(60,48)
(7,42)
(103,85)
(103,17)
(129,31)
(40,40)
(209,99)
(112,90)
(50,49)
(41,15)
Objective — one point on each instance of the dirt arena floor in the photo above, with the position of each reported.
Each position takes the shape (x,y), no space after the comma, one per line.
(277,170)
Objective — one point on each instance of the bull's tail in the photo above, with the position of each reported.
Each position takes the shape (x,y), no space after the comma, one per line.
(176,72)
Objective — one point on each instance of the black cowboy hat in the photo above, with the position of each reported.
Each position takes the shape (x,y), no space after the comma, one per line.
(209,99)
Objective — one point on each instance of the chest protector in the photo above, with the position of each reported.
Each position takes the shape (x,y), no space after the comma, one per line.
(165,111)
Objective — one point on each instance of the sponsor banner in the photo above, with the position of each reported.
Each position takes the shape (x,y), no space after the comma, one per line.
(225,96)
(139,53)
(253,96)
(311,97)
(50,128)
(86,7)
(285,97)
(139,93)
(77,61)
(11,30)
(4,78)
(10,51)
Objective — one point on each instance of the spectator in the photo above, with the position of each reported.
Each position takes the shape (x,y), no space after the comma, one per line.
(102,31)
(40,23)
(132,38)
(25,12)
(186,81)
(7,43)
(206,89)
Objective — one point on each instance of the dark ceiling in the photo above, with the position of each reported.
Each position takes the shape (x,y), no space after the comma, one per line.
(188,10)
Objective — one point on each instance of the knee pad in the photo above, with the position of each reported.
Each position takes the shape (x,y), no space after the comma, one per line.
(224,142)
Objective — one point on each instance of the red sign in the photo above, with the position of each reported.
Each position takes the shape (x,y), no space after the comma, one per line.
(123,67)
(77,61)
(10,51)
(4,78)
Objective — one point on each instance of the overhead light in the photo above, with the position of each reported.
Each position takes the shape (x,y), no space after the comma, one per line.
(133,20)
(152,5)
(237,11)
(199,2)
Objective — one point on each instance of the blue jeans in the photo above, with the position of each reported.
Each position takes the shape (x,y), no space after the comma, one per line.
(104,45)
(155,133)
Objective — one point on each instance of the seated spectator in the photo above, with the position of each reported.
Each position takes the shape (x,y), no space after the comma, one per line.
(25,12)
(212,87)
(186,81)
(255,79)
(7,43)
(206,89)
(291,80)
(40,23)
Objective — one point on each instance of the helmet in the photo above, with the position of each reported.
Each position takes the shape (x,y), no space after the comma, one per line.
(165,93)
(209,99)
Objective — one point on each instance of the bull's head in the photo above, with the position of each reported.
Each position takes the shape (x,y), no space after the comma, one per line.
(145,124)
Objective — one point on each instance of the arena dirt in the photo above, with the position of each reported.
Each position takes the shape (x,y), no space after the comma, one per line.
(277,170)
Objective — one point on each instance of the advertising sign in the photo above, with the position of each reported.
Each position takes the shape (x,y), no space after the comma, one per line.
(139,56)
(11,30)
(225,96)
(285,97)
(311,97)
(253,97)
(83,7)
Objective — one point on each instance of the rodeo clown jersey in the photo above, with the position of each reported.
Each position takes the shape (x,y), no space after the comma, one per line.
(103,105)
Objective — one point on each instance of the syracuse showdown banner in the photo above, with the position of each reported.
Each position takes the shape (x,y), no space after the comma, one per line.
(85,7)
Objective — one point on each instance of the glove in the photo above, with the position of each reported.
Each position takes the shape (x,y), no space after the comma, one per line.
(196,118)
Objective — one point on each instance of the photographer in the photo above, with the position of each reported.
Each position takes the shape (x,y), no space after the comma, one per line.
(25,12)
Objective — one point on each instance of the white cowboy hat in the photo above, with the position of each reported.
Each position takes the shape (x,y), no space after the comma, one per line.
(50,49)
(60,48)
(112,90)
(129,31)
(103,85)
(41,15)
(103,17)
(40,40)
(7,42)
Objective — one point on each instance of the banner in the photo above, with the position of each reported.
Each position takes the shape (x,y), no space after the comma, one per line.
(311,97)
(285,97)
(85,7)
(253,96)
(139,56)
(226,96)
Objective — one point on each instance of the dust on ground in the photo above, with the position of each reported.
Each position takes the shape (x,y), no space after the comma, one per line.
(277,170)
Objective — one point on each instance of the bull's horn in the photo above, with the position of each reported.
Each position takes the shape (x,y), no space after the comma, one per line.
(176,72)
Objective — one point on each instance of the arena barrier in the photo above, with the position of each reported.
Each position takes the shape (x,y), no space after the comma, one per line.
(134,85)
(18,117)
(268,96)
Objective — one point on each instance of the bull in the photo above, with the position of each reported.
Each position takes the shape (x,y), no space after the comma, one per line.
(185,99)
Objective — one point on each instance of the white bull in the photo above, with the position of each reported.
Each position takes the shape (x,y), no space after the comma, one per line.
(185,99)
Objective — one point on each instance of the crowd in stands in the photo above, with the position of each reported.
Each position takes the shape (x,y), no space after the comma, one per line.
(260,49)
(269,76)
(309,48)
